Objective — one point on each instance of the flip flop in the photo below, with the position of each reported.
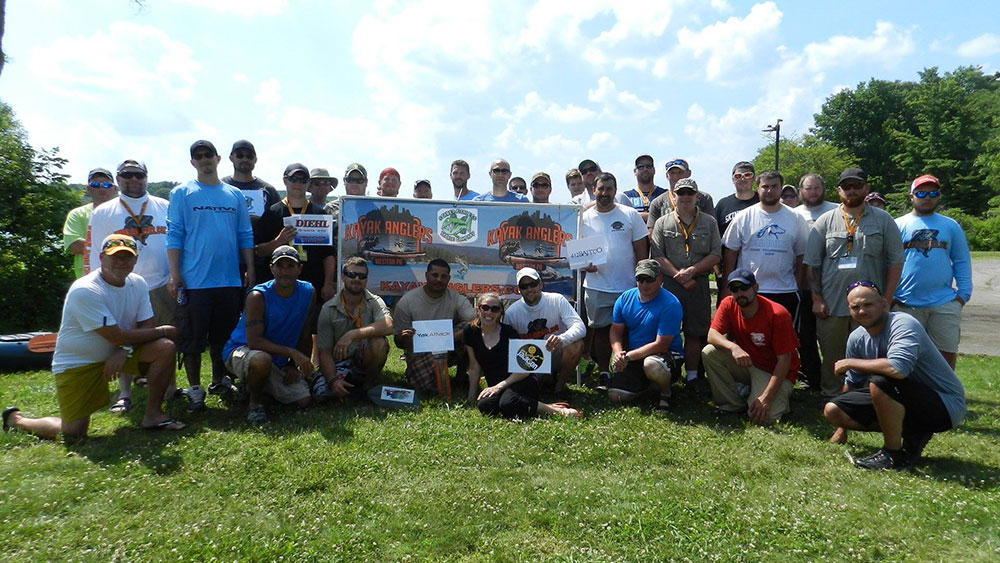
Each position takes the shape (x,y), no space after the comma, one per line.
(166,425)
(123,404)
(6,414)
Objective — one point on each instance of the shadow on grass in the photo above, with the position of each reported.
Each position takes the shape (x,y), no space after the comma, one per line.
(130,443)
(969,474)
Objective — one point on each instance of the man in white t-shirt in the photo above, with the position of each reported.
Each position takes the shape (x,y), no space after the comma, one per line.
(627,242)
(548,316)
(144,218)
(768,239)
(105,314)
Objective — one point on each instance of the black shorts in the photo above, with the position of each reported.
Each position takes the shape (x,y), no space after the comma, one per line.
(208,318)
(633,379)
(925,411)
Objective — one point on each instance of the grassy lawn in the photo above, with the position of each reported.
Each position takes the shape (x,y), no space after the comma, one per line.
(353,483)
(985,255)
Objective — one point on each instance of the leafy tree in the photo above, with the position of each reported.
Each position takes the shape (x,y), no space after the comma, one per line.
(34,200)
(161,189)
(806,154)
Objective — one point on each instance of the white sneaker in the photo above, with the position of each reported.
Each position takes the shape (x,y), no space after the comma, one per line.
(196,398)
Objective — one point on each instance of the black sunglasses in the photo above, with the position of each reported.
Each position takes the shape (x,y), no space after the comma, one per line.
(297,179)
(490,308)
(356,275)
(644,279)
(529,285)
(738,287)
(132,175)
(589,170)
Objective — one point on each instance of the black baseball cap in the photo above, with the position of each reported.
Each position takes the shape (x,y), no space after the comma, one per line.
(203,144)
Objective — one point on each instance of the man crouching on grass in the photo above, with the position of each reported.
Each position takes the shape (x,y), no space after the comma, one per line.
(106,313)
(269,348)
(898,383)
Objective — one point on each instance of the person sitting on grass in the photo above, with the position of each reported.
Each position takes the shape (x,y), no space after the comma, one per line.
(269,348)
(510,395)
(751,358)
(646,347)
(105,314)
(900,384)
(352,340)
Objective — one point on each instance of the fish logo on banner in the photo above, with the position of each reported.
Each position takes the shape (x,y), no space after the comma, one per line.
(458,225)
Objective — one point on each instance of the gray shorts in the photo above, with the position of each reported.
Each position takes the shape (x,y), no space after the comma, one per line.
(599,307)
(942,323)
(697,305)
(275,386)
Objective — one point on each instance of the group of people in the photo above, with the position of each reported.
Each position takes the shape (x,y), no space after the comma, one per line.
(864,308)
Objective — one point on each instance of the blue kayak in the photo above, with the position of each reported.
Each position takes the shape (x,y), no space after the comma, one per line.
(30,350)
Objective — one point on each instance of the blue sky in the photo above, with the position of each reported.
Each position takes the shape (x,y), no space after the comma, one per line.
(416,85)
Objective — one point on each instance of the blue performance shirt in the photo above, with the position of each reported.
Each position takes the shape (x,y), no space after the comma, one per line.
(209,225)
(509,197)
(284,318)
(661,316)
(640,202)
(935,252)
(470,195)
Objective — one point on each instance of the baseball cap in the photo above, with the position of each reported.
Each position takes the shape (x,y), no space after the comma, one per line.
(678,163)
(787,187)
(295,167)
(418,182)
(852,174)
(647,267)
(585,163)
(743,276)
(643,157)
(132,166)
(203,144)
(538,175)
(284,251)
(875,195)
(355,167)
(527,273)
(116,242)
(386,171)
(685,184)
(98,172)
(922,180)
(243,144)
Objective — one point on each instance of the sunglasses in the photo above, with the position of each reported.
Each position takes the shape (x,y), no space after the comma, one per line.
(119,242)
(354,180)
(644,167)
(243,154)
(355,275)
(932,194)
(589,170)
(788,196)
(743,176)
(738,287)
(529,285)
(104,185)
(327,183)
(490,308)
(644,279)
(202,155)
(685,192)
(501,170)
(297,179)
(864,283)
(539,185)
(132,175)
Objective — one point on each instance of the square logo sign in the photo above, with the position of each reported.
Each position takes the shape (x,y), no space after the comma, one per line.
(458,225)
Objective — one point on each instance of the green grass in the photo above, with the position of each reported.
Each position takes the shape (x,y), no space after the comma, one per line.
(985,255)
(354,483)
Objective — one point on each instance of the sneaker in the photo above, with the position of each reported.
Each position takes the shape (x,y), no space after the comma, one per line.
(257,415)
(914,444)
(698,386)
(196,398)
(662,407)
(222,387)
(319,388)
(885,459)
(603,380)
(743,389)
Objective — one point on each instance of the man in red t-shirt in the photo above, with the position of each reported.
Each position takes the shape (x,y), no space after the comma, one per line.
(751,342)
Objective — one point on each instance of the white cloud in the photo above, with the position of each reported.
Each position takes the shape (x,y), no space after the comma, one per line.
(553,146)
(241,78)
(985,45)
(241,7)
(887,45)
(619,103)
(721,6)
(602,140)
(267,92)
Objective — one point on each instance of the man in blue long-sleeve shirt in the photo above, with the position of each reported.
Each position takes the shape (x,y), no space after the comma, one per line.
(936,253)
(208,227)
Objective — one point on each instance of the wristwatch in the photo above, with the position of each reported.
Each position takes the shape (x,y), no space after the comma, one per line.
(128,350)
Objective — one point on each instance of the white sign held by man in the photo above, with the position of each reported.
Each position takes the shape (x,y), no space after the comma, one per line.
(589,250)
(311,230)
(433,336)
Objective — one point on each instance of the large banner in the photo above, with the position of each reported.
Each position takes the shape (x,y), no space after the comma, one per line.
(485,243)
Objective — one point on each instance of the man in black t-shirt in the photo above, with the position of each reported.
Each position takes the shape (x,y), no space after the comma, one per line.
(244,159)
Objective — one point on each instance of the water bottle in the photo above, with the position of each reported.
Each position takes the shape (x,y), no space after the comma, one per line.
(182,296)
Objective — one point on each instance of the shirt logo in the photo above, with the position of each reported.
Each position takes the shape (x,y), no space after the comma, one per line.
(924,240)
(617,226)
(758,339)
(773,230)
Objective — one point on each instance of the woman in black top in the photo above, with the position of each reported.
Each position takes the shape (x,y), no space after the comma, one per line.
(487,341)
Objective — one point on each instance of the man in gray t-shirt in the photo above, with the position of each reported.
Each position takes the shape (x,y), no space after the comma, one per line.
(853,242)
(899,383)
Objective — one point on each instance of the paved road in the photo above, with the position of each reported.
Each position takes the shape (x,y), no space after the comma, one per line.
(981,316)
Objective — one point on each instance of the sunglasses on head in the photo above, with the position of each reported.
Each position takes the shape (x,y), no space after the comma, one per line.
(528,285)
(490,308)
(931,194)
(864,283)
(132,175)
(104,185)
(297,179)
(119,242)
(677,162)
(356,275)
(743,176)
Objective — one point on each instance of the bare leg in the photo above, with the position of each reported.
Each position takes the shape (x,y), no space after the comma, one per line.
(570,359)
(559,410)
(159,354)
(890,417)
(692,351)
(192,367)
(601,347)
(373,358)
(218,366)
(48,427)
(258,371)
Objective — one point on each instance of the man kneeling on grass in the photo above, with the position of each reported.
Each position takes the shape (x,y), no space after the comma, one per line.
(106,313)
(899,383)
(269,348)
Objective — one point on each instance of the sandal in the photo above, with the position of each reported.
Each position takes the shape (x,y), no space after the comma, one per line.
(6,414)
(123,404)
(168,424)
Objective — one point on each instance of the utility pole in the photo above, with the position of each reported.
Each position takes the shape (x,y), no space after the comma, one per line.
(776,129)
